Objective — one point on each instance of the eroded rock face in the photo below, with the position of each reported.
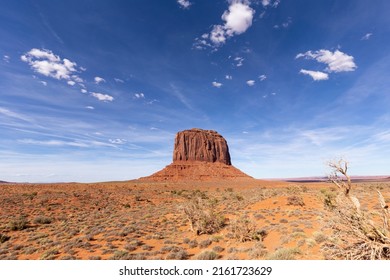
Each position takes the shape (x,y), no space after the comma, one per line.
(199,155)
(201,145)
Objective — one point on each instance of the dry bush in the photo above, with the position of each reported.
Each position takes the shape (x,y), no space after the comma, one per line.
(207,255)
(203,217)
(295,200)
(19,223)
(4,238)
(284,254)
(356,236)
(244,229)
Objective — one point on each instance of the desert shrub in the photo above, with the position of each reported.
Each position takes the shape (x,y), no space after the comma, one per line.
(244,229)
(218,249)
(19,223)
(284,254)
(207,255)
(258,251)
(329,198)
(193,244)
(295,200)
(203,217)
(4,238)
(205,243)
(356,235)
(42,220)
(30,195)
(177,254)
(296,189)
(123,255)
(319,237)
(50,254)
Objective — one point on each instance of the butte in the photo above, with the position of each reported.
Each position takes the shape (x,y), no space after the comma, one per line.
(199,155)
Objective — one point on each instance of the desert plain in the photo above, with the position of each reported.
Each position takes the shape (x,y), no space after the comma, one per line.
(141,219)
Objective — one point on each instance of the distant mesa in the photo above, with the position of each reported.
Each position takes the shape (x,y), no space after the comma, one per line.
(199,155)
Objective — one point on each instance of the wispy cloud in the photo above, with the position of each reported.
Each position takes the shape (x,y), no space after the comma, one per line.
(102,97)
(366,37)
(117,141)
(316,75)
(119,80)
(262,77)
(6,58)
(228,77)
(12,114)
(270,3)
(239,61)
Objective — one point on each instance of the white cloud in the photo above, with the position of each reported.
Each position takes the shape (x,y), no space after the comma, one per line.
(6,58)
(366,37)
(229,77)
(250,83)
(184,3)
(337,61)
(43,83)
(217,35)
(119,80)
(139,95)
(102,97)
(83,90)
(71,83)
(216,84)
(240,61)
(237,19)
(48,64)
(90,107)
(316,75)
(99,80)
(262,77)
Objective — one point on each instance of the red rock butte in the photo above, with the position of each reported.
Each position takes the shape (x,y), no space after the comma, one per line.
(199,155)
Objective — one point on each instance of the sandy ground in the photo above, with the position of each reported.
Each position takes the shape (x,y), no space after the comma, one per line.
(146,220)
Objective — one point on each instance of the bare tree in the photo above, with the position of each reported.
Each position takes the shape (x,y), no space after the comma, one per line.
(340,167)
(356,236)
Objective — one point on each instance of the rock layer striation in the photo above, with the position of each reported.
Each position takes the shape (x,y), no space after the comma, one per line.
(201,145)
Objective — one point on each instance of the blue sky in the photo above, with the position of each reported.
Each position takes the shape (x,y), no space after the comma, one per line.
(96,90)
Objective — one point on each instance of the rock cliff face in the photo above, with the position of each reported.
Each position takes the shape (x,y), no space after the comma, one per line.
(199,155)
(201,145)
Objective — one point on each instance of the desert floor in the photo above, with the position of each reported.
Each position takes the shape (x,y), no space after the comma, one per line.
(146,220)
